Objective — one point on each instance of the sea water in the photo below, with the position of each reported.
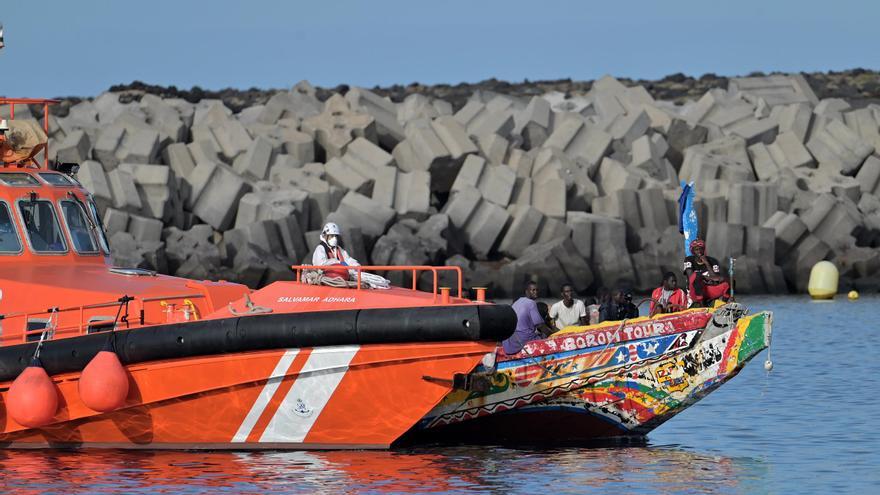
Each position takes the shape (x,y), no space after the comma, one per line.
(808,426)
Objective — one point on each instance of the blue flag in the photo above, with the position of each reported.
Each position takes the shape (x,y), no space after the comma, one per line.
(687,216)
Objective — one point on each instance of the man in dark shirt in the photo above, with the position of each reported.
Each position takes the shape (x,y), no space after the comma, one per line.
(618,307)
(706,283)
(530,325)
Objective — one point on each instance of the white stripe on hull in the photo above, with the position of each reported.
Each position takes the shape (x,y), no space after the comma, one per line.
(265,395)
(319,378)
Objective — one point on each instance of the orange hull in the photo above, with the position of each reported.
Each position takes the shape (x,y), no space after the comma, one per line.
(327,397)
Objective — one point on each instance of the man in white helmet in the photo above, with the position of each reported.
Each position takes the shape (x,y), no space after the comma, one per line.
(329,252)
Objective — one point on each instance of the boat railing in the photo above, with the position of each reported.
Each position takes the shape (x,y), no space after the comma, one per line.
(414,269)
(32,101)
(86,315)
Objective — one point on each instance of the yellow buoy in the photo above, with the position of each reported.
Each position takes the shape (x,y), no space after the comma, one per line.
(853,295)
(823,280)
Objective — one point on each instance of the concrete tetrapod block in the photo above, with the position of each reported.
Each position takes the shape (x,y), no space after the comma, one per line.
(864,122)
(838,146)
(125,194)
(138,146)
(775,90)
(522,231)
(412,194)
(257,206)
(424,150)
(385,185)
(549,198)
(469,174)
(830,220)
(254,162)
(724,241)
(760,243)
(793,119)
(484,228)
(576,269)
(372,217)
(216,193)
(115,221)
(610,262)
(107,145)
(91,175)
(613,176)
(145,229)
(454,136)
(383,111)
(742,204)
(461,206)
(788,230)
(338,125)
(533,123)
(552,229)
(789,151)
(579,140)
(341,174)
(75,148)
(652,209)
(496,184)
(756,130)
(725,158)
(157,189)
(681,136)
(869,176)
(581,227)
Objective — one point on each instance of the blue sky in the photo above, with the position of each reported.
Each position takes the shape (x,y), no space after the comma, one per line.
(82,47)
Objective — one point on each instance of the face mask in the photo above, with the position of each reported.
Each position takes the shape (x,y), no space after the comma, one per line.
(333,242)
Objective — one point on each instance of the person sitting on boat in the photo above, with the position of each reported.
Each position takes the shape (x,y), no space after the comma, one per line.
(569,311)
(706,283)
(330,253)
(625,307)
(668,298)
(618,306)
(529,323)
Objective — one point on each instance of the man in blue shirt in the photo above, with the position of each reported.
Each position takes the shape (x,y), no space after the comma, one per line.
(529,323)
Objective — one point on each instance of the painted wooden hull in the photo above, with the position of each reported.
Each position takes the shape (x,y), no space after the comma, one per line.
(623,388)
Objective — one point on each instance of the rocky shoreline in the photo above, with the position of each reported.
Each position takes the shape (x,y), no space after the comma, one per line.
(547,180)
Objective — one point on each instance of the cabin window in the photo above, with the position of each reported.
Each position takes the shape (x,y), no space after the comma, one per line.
(79,227)
(41,225)
(18,179)
(99,229)
(9,241)
(57,179)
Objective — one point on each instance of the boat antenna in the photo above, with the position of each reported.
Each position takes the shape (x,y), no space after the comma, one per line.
(731,263)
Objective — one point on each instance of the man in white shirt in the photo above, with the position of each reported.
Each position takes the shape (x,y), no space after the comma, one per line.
(569,311)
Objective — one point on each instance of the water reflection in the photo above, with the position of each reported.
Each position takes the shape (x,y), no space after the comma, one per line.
(662,469)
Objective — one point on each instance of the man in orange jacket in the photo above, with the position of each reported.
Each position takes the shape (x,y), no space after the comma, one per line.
(668,298)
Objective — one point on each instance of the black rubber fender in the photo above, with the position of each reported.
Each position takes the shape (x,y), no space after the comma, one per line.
(270,331)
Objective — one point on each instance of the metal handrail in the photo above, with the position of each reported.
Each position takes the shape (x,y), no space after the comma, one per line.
(82,326)
(435,270)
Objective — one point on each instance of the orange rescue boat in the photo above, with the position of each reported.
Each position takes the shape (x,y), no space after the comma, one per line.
(96,356)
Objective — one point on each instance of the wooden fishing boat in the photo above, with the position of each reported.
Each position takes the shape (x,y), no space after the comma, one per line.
(610,381)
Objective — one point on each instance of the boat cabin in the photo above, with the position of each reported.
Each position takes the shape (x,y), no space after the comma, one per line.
(55,257)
